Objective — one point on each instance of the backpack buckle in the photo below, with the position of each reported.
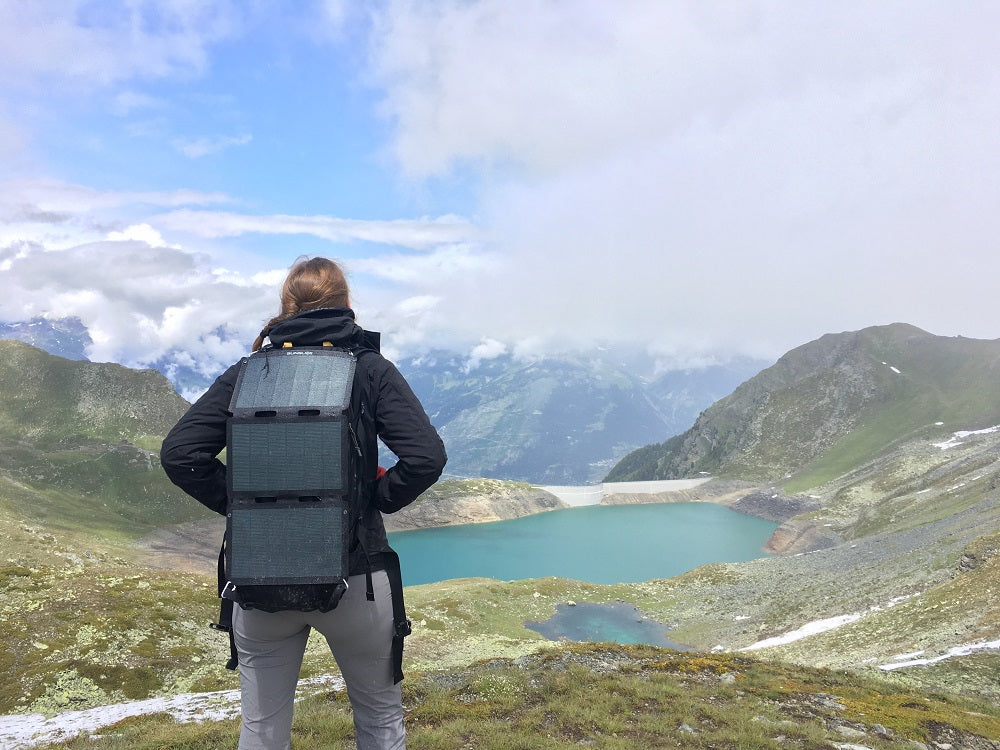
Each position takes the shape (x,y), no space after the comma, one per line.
(229,592)
(402,628)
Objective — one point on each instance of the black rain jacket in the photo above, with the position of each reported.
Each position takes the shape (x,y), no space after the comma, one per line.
(390,410)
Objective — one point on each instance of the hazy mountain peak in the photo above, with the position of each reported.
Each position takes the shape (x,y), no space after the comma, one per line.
(839,398)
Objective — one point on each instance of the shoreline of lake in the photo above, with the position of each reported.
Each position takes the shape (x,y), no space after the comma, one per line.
(603,544)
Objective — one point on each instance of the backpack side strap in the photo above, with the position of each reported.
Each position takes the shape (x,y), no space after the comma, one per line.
(401,627)
(225,623)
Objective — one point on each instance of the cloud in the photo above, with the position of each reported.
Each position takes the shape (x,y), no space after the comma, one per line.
(699,176)
(411,233)
(692,177)
(58,215)
(97,44)
(485,350)
(52,195)
(139,302)
(139,232)
(70,250)
(65,251)
(444,265)
(549,89)
(199,147)
(412,306)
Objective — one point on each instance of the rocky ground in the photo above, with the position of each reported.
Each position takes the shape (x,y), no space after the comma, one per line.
(456,502)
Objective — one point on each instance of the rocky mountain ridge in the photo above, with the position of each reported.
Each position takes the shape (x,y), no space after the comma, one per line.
(831,404)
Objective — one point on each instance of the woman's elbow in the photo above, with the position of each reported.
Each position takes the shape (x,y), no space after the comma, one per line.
(436,460)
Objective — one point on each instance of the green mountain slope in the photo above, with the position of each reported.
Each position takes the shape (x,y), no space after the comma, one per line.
(828,406)
(79,444)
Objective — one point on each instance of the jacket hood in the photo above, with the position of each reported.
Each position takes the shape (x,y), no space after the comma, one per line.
(313,327)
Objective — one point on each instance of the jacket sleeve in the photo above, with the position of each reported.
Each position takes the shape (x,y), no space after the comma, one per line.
(189,453)
(403,425)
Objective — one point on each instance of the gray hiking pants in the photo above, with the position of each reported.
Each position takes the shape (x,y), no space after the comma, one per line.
(359,632)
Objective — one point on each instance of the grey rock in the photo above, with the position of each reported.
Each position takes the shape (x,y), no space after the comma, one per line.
(849,732)
(774,505)
(882,731)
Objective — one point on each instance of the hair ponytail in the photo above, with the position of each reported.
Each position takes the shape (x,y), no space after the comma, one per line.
(312,283)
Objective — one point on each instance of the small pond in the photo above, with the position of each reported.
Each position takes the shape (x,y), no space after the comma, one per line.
(619,622)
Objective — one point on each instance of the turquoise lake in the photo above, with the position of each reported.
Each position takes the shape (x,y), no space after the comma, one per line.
(597,543)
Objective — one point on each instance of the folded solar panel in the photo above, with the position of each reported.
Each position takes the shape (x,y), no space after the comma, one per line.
(288,468)
(299,456)
(295,379)
(285,544)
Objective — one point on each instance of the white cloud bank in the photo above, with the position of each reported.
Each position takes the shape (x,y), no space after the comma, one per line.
(153,288)
(743,176)
(138,301)
(736,177)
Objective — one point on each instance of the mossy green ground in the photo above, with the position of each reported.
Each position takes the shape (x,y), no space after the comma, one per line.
(619,698)
(85,626)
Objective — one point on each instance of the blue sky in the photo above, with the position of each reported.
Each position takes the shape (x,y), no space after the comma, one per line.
(697,180)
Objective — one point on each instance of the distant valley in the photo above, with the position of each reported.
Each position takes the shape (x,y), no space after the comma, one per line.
(561,420)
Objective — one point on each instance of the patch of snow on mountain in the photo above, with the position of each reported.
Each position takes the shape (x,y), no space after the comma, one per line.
(963,650)
(821,626)
(957,437)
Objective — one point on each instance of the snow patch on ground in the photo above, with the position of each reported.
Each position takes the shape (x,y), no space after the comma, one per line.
(958,437)
(21,731)
(963,650)
(822,626)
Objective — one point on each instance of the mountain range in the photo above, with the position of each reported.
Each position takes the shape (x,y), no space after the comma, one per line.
(559,420)
(563,419)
